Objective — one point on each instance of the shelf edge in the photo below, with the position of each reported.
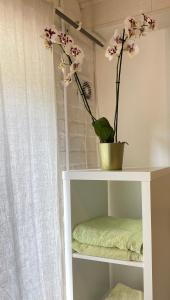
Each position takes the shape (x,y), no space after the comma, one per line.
(109,260)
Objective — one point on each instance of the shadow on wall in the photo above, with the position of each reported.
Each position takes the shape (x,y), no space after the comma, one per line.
(144,100)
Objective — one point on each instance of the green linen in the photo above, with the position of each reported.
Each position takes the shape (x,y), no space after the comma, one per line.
(122,292)
(109,232)
(106,252)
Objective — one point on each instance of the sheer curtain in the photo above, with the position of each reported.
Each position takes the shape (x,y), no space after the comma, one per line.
(30,247)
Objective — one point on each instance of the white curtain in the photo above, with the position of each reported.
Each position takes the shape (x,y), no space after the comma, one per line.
(30,247)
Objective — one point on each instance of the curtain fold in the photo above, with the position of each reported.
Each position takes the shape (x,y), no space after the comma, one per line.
(30,247)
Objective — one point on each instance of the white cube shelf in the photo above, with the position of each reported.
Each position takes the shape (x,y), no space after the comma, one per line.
(130,193)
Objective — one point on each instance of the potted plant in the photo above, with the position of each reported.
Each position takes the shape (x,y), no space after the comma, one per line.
(110,148)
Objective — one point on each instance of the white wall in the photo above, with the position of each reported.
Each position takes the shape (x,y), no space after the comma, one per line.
(72,9)
(97,13)
(144,99)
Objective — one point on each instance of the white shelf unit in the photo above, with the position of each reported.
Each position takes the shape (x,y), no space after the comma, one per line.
(130,193)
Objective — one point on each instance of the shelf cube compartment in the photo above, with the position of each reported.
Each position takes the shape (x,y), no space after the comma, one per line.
(130,193)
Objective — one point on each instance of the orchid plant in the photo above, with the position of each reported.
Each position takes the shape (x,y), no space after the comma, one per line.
(71,60)
(75,53)
(125,41)
(73,56)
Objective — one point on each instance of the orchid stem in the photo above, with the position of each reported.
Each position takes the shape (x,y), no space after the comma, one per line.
(118,75)
(83,96)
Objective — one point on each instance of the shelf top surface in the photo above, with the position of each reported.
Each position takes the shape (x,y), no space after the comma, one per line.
(109,260)
(129,174)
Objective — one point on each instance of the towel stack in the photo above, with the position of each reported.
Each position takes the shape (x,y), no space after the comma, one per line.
(110,238)
(122,292)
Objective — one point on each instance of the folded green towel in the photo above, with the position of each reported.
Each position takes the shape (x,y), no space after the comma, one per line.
(125,234)
(122,292)
(113,253)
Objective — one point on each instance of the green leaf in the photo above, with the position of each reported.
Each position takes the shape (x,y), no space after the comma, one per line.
(104,130)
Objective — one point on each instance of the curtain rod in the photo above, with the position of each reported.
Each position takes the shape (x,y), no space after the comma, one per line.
(75,25)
